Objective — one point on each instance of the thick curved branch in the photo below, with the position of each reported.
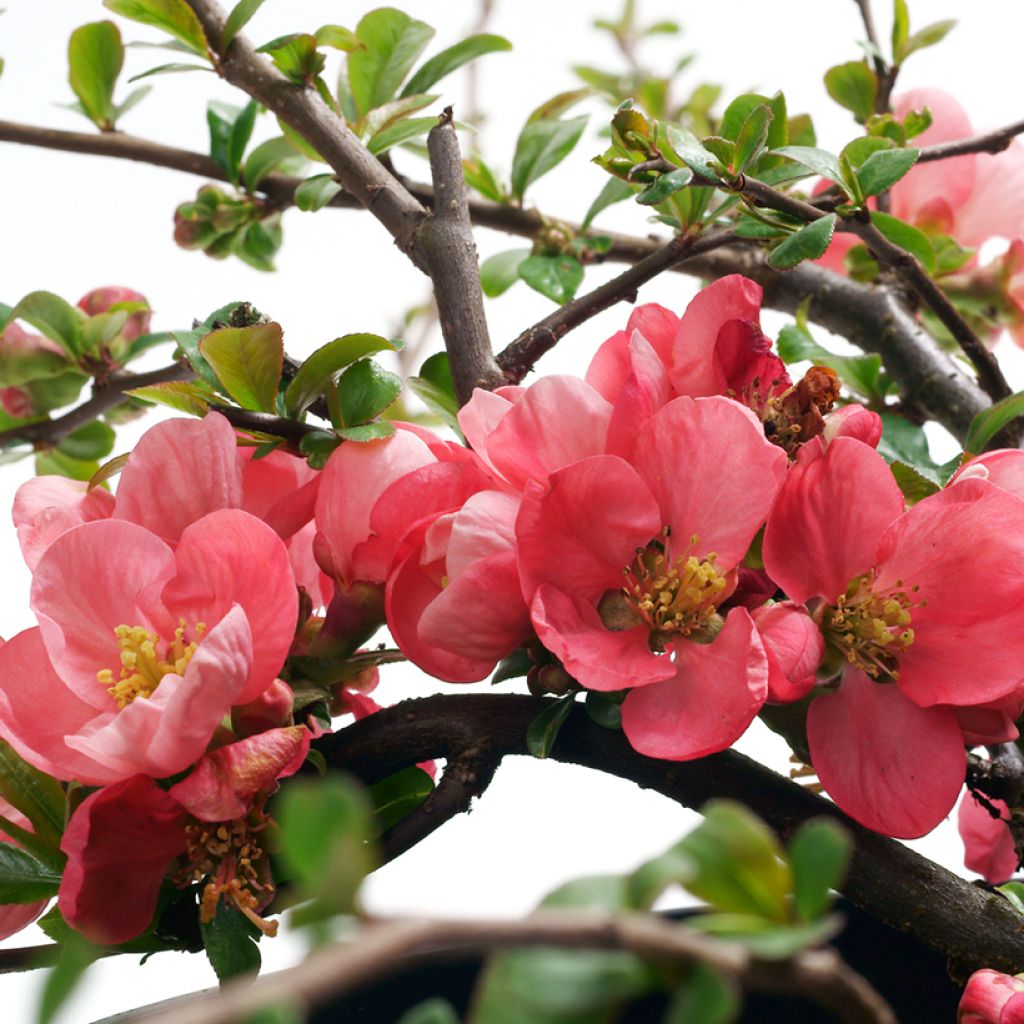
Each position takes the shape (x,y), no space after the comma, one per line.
(47,433)
(974,928)
(381,948)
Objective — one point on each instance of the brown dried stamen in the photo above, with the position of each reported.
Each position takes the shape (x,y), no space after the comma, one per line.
(798,415)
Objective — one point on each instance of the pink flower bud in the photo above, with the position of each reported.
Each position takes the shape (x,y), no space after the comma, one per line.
(270,710)
(992,998)
(99,300)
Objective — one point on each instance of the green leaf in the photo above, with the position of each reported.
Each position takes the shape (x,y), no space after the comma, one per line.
(557,277)
(666,185)
(398,132)
(541,146)
(313,376)
(752,138)
(435,389)
(543,730)
(23,879)
(95,59)
(75,957)
(172,16)
(903,441)
(615,191)
(927,36)
(433,1011)
(167,69)
(398,795)
(390,113)
(900,28)
(90,442)
(820,161)
(765,938)
(38,796)
(861,374)
(230,130)
(499,272)
(988,423)
(907,237)
(691,151)
(230,940)
(883,168)
(604,709)
(296,57)
(326,830)
(364,391)
(447,61)
(808,243)
(338,38)
(558,105)
(316,192)
(479,176)
(1014,892)
(267,157)
(318,446)
(237,20)
(515,665)
(53,318)
(188,397)
(704,996)
(367,431)
(913,483)
(853,86)
(247,361)
(819,855)
(391,42)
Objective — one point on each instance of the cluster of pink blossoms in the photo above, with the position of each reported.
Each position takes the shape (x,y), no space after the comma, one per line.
(686,528)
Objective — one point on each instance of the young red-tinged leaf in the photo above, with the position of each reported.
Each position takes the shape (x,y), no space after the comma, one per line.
(853,86)
(541,146)
(326,362)
(444,63)
(95,58)
(191,397)
(390,42)
(237,20)
(819,855)
(480,176)
(808,243)
(174,17)
(557,277)
(499,272)
(109,469)
(247,361)
(316,192)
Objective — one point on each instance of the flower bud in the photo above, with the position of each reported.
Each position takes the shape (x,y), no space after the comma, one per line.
(272,709)
(99,300)
(992,998)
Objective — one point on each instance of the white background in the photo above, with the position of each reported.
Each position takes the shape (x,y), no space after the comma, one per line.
(70,223)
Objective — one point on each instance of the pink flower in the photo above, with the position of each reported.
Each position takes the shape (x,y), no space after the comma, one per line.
(794,646)
(921,604)
(141,650)
(123,839)
(988,844)
(992,998)
(675,520)
(100,300)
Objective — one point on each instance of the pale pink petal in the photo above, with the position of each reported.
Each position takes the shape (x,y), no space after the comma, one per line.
(91,580)
(47,506)
(1003,467)
(854,421)
(485,525)
(599,658)
(995,208)
(165,733)
(712,472)
(308,574)
(825,525)
(479,417)
(178,472)
(558,421)
(658,325)
(988,843)
(354,478)
(794,646)
(230,558)
(729,298)
(891,765)
(643,393)
(583,532)
(280,489)
(709,701)
(224,782)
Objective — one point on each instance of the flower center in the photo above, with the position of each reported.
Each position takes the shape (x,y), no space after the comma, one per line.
(228,855)
(142,667)
(672,597)
(871,629)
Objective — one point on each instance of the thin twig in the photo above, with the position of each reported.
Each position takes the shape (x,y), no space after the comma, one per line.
(518,359)
(819,976)
(266,423)
(885,73)
(990,142)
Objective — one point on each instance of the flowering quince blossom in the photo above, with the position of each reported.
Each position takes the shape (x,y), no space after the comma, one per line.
(624,565)
(992,998)
(988,843)
(100,300)
(922,606)
(123,839)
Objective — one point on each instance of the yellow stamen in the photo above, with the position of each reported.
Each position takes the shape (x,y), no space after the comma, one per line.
(142,668)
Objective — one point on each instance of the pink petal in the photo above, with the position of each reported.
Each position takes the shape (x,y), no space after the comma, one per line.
(988,842)
(558,421)
(891,765)
(280,489)
(479,417)
(1003,467)
(15,916)
(226,781)
(730,298)
(178,472)
(120,843)
(484,526)
(706,705)
(47,506)
(611,365)
(824,528)
(993,722)
(91,580)
(979,219)
(165,733)
(643,393)
(215,571)
(712,472)
(599,658)
(582,533)
(854,421)
(354,478)
(794,646)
